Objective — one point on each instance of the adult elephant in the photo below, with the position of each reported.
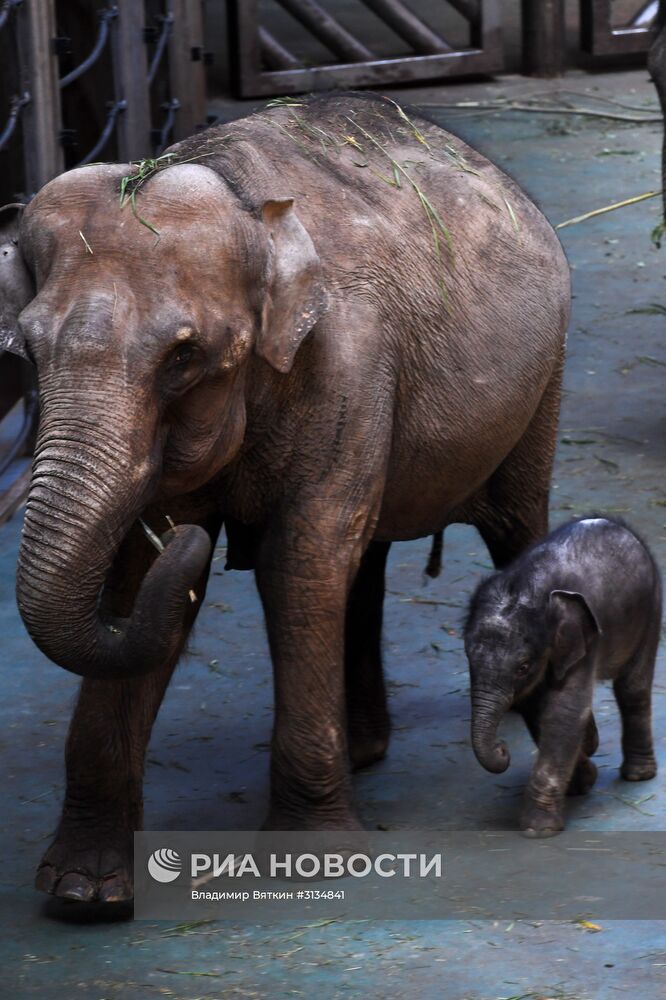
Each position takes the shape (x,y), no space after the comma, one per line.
(330,326)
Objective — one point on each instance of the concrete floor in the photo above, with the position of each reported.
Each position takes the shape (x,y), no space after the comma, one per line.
(207,765)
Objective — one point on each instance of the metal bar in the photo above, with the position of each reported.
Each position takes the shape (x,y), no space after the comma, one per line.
(105,134)
(15,107)
(408,26)
(130,72)
(165,34)
(470,9)
(187,77)
(327,30)
(105,17)
(646,16)
(275,55)
(6,9)
(543,37)
(42,120)
(163,133)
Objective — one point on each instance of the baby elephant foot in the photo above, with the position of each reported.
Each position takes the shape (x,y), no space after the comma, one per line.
(539,822)
(639,768)
(583,778)
(85,870)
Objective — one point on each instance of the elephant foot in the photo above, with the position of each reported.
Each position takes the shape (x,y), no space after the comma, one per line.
(79,867)
(583,778)
(366,749)
(537,822)
(639,768)
(313,819)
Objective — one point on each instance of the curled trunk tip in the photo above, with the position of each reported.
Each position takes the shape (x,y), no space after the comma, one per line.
(495,759)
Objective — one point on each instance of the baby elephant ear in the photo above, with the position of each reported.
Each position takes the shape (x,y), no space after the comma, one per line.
(295,296)
(16,288)
(574,629)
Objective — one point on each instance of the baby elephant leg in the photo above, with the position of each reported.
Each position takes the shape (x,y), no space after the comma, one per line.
(633,692)
(585,772)
(562,726)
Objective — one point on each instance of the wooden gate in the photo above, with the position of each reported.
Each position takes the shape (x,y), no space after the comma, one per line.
(263,64)
(601,36)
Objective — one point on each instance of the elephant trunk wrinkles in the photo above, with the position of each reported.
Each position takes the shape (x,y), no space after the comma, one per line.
(71,534)
(488,709)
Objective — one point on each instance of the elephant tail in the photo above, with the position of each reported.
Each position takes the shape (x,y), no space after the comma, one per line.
(434,567)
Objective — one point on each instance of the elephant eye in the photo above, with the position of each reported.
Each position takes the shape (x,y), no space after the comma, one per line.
(523,669)
(182,355)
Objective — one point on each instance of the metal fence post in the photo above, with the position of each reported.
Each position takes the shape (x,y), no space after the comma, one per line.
(39,71)
(543,37)
(130,70)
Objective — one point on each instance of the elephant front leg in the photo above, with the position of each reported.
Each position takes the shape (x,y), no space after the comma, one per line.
(368,723)
(563,724)
(304,584)
(91,855)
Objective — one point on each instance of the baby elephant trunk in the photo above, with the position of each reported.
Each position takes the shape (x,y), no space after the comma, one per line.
(488,709)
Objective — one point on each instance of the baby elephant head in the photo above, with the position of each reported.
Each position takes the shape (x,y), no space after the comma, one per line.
(512,647)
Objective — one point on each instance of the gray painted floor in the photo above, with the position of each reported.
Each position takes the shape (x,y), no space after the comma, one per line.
(207,761)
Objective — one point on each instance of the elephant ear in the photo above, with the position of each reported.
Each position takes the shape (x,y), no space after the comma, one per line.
(16,286)
(574,630)
(295,295)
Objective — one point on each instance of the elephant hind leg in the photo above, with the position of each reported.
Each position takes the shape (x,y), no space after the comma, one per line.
(91,856)
(368,723)
(512,511)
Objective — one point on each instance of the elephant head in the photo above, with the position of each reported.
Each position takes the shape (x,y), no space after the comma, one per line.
(511,647)
(142,322)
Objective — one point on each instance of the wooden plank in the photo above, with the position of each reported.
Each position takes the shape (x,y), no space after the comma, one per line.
(274,54)
(187,78)
(378,73)
(42,120)
(408,26)
(324,27)
(130,71)
(244,48)
(543,37)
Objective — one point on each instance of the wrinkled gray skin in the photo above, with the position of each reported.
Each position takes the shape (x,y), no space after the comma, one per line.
(582,605)
(297,357)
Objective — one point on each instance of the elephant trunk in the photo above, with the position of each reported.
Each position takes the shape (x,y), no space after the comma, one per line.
(82,503)
(488,709)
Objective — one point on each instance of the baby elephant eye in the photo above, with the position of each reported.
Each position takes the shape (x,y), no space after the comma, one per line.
(523,669)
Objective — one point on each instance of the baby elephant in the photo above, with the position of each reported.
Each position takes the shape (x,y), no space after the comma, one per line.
(583,604)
